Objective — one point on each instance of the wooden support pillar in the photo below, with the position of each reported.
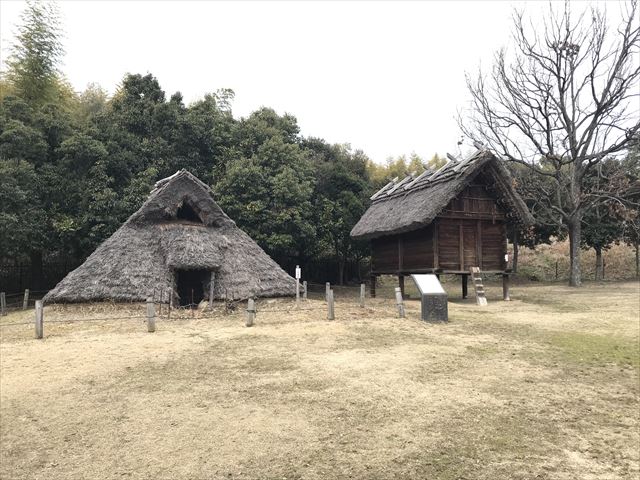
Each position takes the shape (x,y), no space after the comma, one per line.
(401,284)
(212,286)
(151,315)
(251,312)
(25,301)
(505,288)
(39,319)
(330,306)
(373,286)
(465,279)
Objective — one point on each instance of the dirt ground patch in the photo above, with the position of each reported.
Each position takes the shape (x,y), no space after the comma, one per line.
(544,386)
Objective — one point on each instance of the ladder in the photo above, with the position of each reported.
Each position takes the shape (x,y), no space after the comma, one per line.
(476,278)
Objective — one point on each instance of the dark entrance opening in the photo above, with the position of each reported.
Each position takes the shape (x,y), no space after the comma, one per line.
(186,212)
(190,285)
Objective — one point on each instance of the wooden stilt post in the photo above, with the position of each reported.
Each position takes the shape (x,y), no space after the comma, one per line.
(304,290)
(465,279)
(330,306)
(399,302)
(3,304)
(372,287)
(327,289)
(170,303)
(212,284)
(39,319)
(401,284)
(505,288)
(151,315)
(363,289)
(161,300)
(25,302)
(251,312)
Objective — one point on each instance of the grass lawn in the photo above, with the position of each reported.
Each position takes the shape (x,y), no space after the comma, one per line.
(544,386)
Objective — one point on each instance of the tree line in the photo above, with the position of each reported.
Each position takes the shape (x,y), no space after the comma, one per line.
(74,166)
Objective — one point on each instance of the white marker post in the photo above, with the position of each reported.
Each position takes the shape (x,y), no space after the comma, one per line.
(298,276)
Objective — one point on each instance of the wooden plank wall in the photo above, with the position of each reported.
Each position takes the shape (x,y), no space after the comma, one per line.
(418,249)
(470,232)
(494,245)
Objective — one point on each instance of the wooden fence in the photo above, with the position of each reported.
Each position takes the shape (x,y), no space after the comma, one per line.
(324,303)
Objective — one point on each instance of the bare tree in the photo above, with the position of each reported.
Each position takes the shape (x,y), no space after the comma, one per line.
(562,101)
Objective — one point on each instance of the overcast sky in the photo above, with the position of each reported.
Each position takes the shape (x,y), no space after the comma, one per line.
(385,77)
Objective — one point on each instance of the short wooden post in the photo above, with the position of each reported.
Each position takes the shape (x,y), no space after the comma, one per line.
(151,315)
(39,319)
(330,306)
(399,302)
(251,312)
(401,284)
(505,288)
(212,284)
(170,303)
(161,300)
(304,290)
(25,302)
(604,264)
(372,289)
(3,304)
(465,279)
(363,289)
(327,287)
(556,269)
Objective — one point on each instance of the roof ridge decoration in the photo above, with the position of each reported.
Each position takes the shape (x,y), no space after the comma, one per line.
(384,189)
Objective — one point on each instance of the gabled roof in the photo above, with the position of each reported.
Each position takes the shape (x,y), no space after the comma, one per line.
(415,204)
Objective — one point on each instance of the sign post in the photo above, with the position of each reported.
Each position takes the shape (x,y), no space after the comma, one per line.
(298,276)
(433,298)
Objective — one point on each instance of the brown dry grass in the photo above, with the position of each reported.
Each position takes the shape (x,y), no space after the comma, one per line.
(545,386)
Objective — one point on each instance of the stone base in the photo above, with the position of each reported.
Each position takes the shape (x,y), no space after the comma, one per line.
(434,308)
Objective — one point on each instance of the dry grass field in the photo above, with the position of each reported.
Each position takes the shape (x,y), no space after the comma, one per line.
(546,386)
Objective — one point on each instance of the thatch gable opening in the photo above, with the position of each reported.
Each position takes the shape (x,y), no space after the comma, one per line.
(187,213)
(192,286)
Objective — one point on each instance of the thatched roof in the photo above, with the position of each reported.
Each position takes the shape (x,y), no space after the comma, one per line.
(141,256)
(414,203)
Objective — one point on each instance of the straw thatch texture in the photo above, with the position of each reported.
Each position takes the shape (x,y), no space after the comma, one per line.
(141,256)
(417,205)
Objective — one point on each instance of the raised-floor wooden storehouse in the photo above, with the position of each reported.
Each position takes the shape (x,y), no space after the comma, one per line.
(445,221)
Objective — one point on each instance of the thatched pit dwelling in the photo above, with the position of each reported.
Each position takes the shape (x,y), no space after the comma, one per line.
(445,222)
(176,243)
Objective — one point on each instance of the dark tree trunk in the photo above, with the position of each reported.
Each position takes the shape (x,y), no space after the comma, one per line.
(575,273)
(36,270)
(599,264)
(341,264)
